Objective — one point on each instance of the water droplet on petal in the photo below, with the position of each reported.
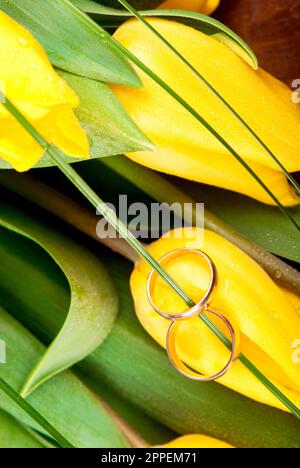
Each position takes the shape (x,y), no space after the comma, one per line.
(23,42)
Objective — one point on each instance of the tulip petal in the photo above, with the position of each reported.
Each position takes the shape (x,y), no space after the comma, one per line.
(267,320)
(65,131)
(27,72)
(17,147)
(221,170)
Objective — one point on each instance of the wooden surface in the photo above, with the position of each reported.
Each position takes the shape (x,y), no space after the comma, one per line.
(272,29)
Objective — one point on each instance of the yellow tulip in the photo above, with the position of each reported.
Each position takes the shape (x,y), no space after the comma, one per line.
(246,295)
(184,147)
(196,441)
(44,98)
(204,6)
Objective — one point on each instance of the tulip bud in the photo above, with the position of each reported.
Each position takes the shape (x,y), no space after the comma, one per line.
(185,148)
(40,95)
(265,316)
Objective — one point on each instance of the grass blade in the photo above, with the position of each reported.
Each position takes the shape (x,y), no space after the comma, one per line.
(34,414)
(14,435)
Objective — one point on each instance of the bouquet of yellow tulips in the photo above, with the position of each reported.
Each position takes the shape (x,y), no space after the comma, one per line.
(167,317)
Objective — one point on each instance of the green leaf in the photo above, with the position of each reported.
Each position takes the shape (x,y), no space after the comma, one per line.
(72,41)
(261,223)
(14,435)
(131,364)
(150,430)
(64,401)
(110,17)
(93,307)
(111,130)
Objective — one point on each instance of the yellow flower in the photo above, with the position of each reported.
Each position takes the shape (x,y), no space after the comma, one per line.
(196,441)
(246,295)
(184,147)
(203,6)
(44,98)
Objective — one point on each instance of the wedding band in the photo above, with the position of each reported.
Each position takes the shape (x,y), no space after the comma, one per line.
(201,305)
(184,369)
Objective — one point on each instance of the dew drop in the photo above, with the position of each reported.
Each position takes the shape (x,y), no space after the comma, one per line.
(278,274)
(23,42)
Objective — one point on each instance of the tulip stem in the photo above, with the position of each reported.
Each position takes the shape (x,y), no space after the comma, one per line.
(121,228)
(35,415)
(198,75)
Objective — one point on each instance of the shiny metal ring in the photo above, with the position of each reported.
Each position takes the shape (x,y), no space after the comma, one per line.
(201,305)
(185,370)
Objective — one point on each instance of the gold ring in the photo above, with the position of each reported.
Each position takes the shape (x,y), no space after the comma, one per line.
(201,305)
(185,370)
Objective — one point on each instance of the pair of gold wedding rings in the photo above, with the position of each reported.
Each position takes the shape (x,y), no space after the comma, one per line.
(199,309)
